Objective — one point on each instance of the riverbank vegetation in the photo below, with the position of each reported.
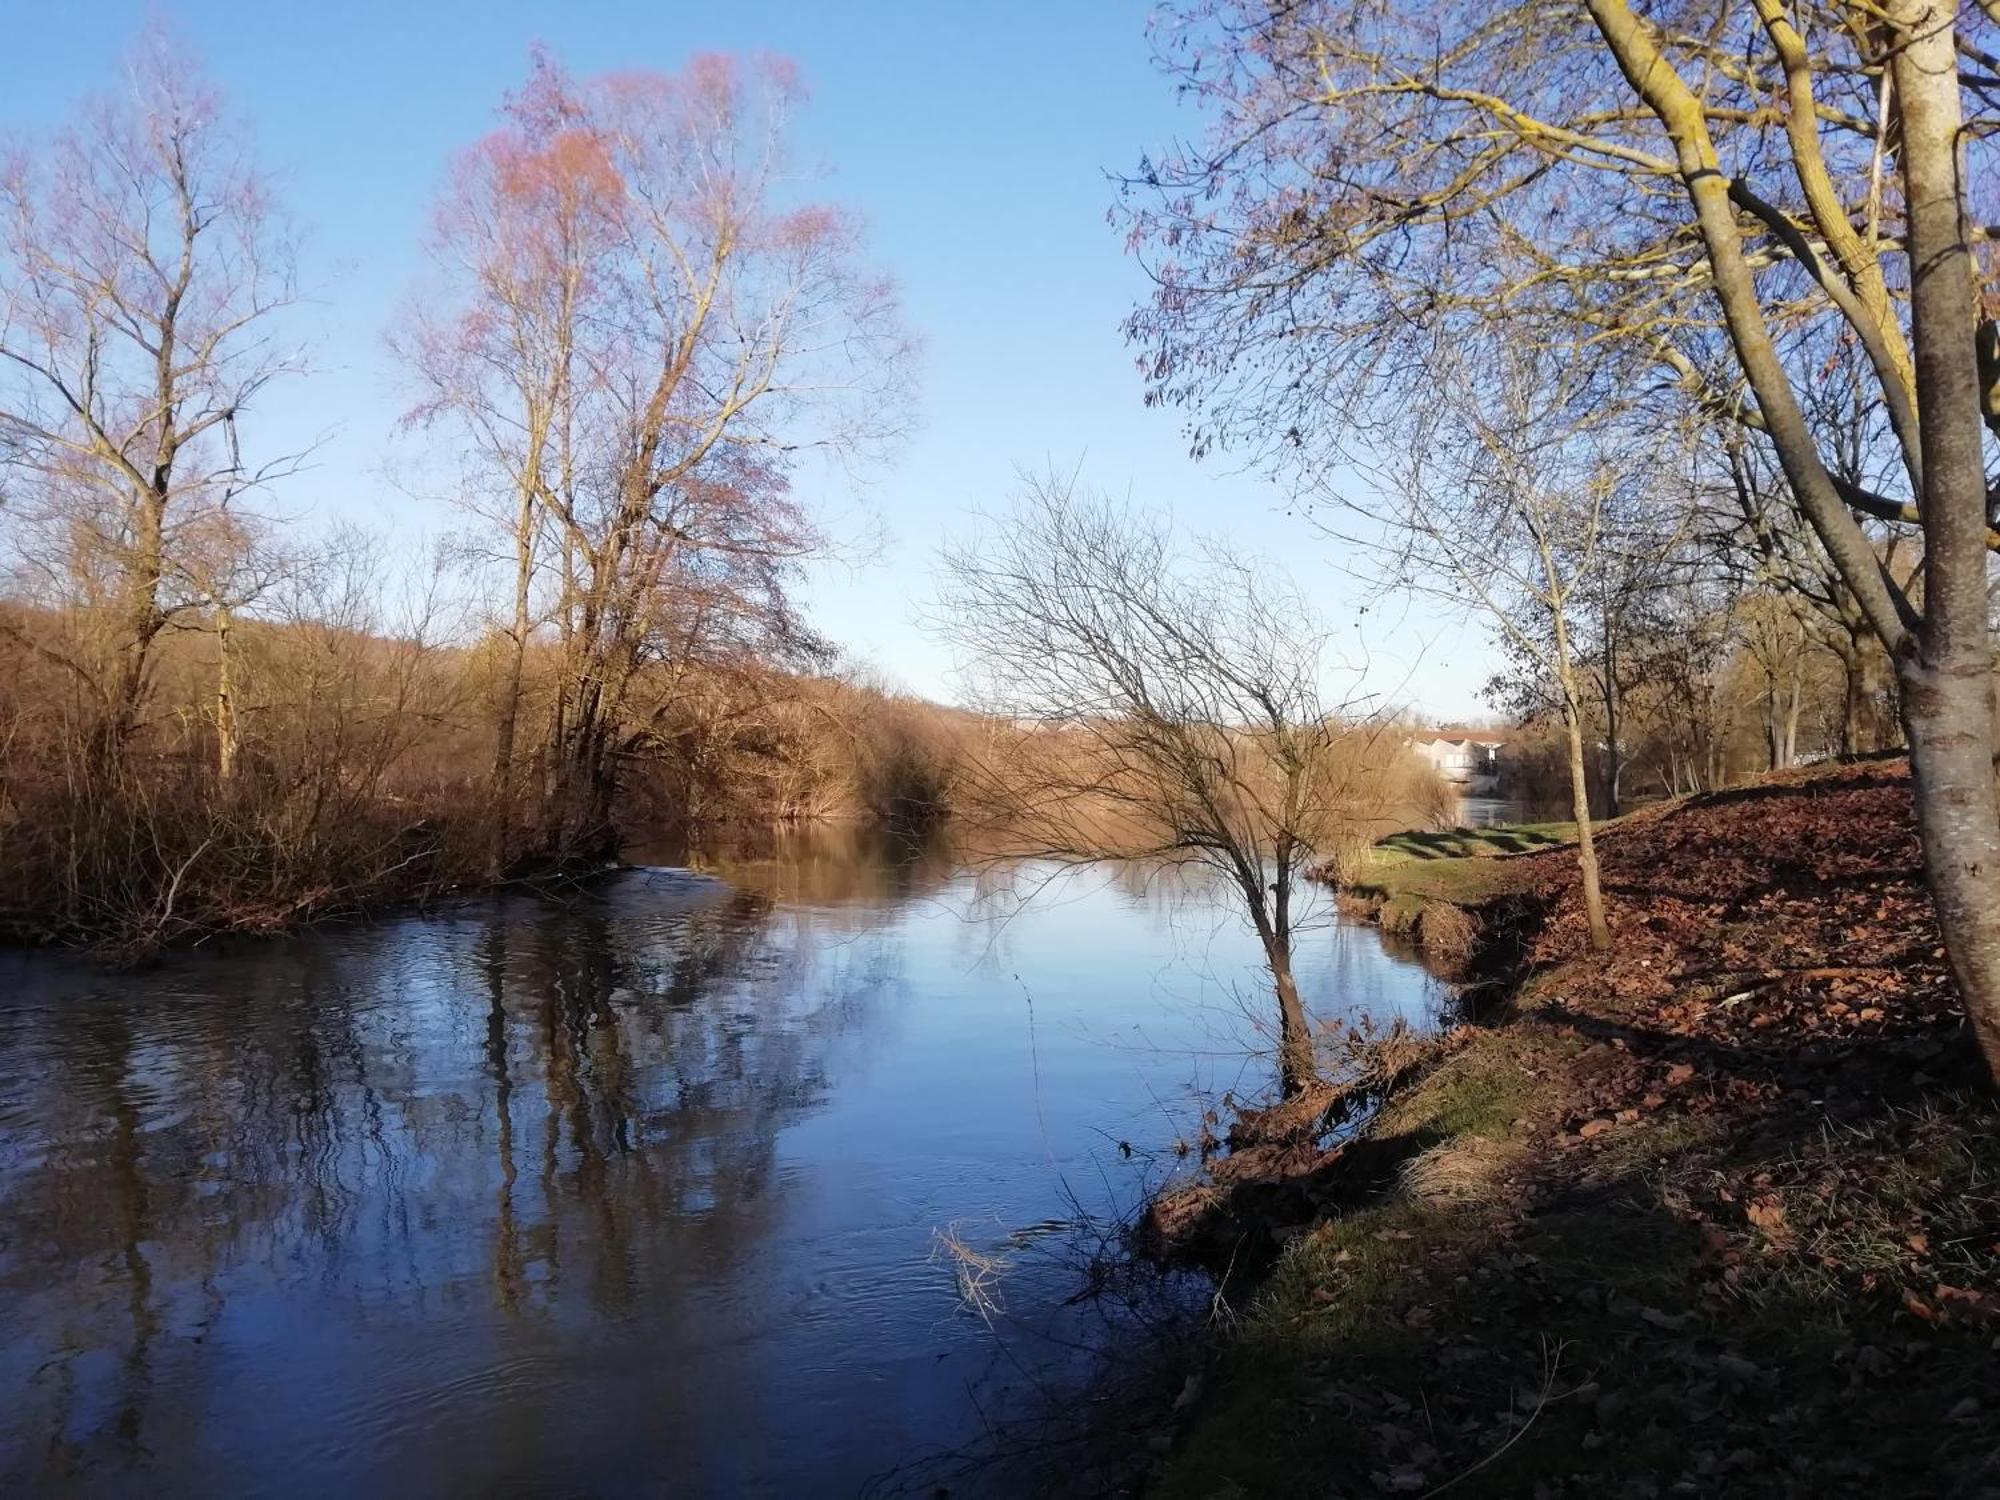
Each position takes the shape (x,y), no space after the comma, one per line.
(1664,341)
(215,716)
(361,778)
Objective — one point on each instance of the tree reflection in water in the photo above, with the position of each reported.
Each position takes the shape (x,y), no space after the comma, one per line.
(632,1188)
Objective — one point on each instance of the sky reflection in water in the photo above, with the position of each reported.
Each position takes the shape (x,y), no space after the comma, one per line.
(633,1193)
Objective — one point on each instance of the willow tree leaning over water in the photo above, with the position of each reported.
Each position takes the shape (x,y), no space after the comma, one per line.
(1164,703)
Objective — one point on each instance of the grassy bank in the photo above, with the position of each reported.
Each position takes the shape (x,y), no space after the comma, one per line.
(1421,886)
(1716,1214)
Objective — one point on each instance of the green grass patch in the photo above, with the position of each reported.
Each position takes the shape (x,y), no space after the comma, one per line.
(1473,1094)
(1461,843)
(1463,882)
(1459,866)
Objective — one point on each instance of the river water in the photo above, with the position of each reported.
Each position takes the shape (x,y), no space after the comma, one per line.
(637,1192)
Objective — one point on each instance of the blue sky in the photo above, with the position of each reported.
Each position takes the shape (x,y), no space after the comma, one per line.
(974,139)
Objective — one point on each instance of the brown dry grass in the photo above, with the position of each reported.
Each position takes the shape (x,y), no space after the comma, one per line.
(1449,937)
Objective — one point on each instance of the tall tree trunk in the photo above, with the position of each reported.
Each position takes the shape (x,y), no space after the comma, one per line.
(1946,669)
(506,731)
(138,625)
(1853,683)
(1297,1066)
(1614,750)
(227,743)
(1579,790)
(584,768)
(1586,843)
(1794,704)
(1295,1052)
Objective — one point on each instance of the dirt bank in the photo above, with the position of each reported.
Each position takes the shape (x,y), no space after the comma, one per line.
(1715,1214)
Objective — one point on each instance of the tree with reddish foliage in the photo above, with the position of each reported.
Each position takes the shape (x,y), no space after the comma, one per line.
(525,235)
(640,336)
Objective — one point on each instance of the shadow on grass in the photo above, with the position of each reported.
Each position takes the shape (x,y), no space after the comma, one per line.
(1461,843)
(1595,1253)
(1627,1331)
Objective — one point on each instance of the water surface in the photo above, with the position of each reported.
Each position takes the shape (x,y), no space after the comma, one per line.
(631,1193)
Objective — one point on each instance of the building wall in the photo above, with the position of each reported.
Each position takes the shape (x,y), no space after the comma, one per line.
(1459,760)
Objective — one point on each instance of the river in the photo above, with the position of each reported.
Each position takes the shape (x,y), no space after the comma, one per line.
(635,1192)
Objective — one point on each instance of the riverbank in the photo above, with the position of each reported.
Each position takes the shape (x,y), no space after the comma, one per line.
(1716,1213)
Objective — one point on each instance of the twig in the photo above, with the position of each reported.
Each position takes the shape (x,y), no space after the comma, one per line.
(1550,1364)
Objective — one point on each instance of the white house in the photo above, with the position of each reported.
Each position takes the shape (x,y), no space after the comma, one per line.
(1465,757)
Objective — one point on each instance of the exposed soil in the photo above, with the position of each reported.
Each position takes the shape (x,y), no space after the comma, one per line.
(1716,1213)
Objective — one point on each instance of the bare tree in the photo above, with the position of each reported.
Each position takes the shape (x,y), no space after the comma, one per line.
(1515,494)
(524,239)
(1613,627)
(646,335)
(1167,706)
(1623,188)
(141,266)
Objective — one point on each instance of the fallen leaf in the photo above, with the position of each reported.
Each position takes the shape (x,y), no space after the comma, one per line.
(1768,1214)
(1679,1074)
